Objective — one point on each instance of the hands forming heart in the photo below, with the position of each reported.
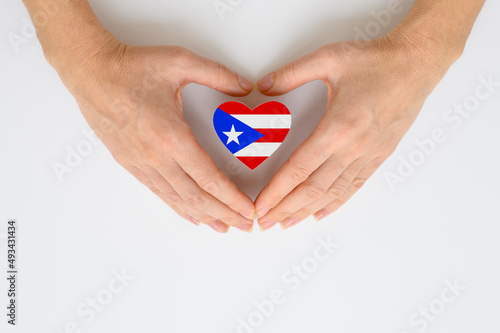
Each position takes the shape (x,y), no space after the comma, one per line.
(131,97)
(372,102)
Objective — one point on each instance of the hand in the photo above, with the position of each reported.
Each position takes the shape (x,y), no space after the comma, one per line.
(375,91)
(131,97)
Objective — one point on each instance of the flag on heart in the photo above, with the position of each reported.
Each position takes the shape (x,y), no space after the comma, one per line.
(252,135)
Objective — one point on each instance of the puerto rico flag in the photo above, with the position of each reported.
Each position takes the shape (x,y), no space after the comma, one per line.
(252,135)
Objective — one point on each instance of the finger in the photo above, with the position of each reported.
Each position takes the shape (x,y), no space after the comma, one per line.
(303,162)
(336,190)
(331,136)
(197,199)
(195,161)
(142,177)
(216,76)
(350,178)
(145,180)
(355,186)
(172,198)
(195,216)
(219,226)
(314,188)
(295,74)
(168,193)
(339,202)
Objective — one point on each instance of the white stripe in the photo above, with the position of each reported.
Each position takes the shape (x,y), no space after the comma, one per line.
(265,121)
(259,149)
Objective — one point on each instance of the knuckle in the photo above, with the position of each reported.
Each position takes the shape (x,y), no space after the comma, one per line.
(203,218)
(151,156)
(172,197)
(181,55)
(159,136)
(154,189)
(276,197)
(299,175)
(145,147)
(222,72)
(347,176)
(340,201)
(196,201)
(352,125)
(120,159)
(325,53)
(358,183)
(306,211)
(330,146)
(281,214)
(229,219)
(389,150)
(284,212)
(365,141)
(289,72)
(153,145)
(335,191)
(213,183)
(208,184)
(315,191)
(180,135)
(322,136)
(232,202)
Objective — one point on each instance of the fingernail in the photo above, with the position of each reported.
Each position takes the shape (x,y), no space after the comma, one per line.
(267,225)
(246,83)
(263,211)
(245,227)
(266,83)
(289,222)
(192,220)
(321,214)
(249,214)
(219,226)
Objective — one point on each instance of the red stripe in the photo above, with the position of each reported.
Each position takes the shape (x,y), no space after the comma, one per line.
(273,134)
(252,161)
(271,108)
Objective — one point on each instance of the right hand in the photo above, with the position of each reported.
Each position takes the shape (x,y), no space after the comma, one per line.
(131,97)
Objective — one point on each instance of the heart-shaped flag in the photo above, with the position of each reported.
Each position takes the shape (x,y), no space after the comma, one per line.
(252,135)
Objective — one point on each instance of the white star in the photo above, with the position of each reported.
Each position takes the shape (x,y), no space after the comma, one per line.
(232,136)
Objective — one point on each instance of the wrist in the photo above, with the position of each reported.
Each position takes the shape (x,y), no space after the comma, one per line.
(73,36)
(427,46)
(63,48)
(437,31)
(77,55)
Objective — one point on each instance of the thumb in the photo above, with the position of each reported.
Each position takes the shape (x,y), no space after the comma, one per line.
(295,74)
(217,76)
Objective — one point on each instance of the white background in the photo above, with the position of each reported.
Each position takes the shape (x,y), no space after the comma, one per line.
(396,248)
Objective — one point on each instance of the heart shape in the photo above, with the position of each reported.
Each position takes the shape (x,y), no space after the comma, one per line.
(252,135)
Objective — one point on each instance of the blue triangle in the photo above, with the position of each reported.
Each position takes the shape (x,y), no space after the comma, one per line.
(223,122)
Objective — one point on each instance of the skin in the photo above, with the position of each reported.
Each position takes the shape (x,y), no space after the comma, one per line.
(131,97)
(375,91)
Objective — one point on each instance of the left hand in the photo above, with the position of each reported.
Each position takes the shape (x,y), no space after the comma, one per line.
(375,92)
